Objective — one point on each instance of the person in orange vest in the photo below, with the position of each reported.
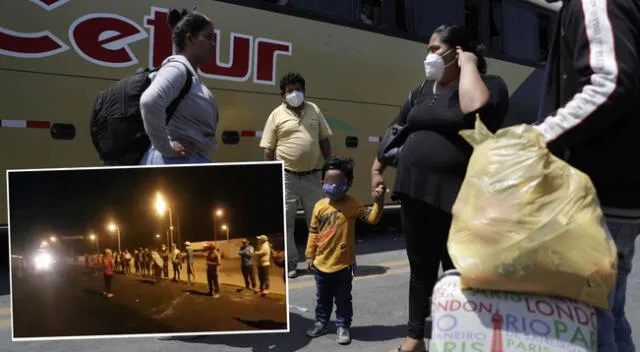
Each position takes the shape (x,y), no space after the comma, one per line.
(108,263)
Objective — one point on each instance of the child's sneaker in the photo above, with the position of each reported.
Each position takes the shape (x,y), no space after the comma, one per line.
(343,336)
(318,329)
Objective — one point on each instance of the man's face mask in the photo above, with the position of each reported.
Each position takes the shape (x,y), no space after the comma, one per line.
(335,191)
(434,66)
(295,98)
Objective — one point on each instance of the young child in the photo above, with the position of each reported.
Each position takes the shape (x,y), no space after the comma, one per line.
(331,246)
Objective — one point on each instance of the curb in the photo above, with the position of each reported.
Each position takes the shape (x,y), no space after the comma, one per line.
(271,294)
(238,286)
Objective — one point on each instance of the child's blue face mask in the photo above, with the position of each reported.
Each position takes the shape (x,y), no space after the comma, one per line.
(335,192)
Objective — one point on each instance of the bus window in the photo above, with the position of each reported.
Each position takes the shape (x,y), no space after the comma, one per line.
(279,2)
(495,26)
(369,12)
(544,36)
(429,14)
(472,18)
(401,15)
(520,31)
(337,8)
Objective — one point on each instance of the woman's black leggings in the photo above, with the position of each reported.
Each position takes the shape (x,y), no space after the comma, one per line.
(426,230)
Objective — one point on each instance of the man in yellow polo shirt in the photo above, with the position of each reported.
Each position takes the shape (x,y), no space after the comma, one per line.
(297,133)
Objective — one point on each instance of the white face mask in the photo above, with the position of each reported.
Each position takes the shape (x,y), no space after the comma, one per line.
(295,98)
(434,66)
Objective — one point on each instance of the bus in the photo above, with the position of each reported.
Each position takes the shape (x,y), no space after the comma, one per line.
(360,59)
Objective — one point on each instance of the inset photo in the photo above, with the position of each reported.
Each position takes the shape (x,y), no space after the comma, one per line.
(130,251)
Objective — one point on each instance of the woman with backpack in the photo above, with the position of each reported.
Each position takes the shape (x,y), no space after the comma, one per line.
(189,137)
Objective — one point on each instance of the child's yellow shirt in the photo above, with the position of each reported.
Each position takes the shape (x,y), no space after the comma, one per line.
(332,234)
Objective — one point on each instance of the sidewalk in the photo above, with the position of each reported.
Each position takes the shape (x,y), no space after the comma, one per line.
(231,274)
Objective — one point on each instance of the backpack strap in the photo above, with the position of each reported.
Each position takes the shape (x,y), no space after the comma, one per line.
(412,97)
(171,109)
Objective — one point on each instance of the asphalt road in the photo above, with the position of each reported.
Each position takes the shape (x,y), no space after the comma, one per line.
(380,304)
(72,304)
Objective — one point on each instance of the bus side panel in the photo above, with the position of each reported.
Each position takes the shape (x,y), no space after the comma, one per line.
(358,78)
(52,99)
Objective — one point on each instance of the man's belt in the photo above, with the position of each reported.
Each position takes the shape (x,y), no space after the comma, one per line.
(301,173)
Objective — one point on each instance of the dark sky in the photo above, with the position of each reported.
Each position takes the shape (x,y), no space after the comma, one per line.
(77,202)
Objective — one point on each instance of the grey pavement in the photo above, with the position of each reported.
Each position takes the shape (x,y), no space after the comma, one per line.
(380,305)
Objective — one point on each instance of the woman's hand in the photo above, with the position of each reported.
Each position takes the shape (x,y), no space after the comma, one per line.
(466,58)
(473,92)
(181,149)
(379,194)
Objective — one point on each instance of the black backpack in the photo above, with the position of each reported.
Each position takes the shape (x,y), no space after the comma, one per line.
(117,130)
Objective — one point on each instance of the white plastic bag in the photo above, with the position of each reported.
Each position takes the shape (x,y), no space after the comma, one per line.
(495,321)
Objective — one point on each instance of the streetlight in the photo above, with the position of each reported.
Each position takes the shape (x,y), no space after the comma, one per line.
(114,228)
(44,244)
(93,237)
(226,228)
(161,207)
(53,238)
(218,213)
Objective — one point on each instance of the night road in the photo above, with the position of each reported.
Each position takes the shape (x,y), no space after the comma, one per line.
(72,303)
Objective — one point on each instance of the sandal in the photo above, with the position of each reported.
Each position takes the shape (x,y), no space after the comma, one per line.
(399,349)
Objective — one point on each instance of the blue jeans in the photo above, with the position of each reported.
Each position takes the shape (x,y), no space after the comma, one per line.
(614,331)
(154,157)
(334,286)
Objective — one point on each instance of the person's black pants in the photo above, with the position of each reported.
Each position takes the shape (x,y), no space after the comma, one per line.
(249,276)
(212,280)
(108,281)
(190,271)
(426,230)
(157,272)
(176,271)
(263,276)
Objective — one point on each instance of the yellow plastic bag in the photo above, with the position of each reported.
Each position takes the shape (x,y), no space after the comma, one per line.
(526,221)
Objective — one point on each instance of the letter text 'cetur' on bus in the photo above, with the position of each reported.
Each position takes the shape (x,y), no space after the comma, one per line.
(105,39)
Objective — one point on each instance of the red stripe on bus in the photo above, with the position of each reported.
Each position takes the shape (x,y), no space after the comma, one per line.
(39,124)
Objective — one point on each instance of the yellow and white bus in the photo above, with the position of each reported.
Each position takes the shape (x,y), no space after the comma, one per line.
(360,59)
